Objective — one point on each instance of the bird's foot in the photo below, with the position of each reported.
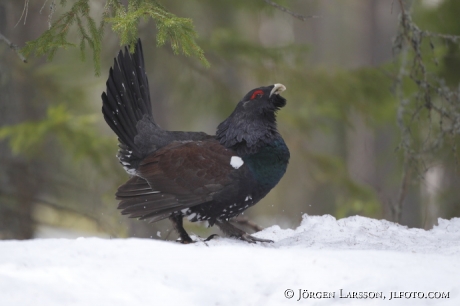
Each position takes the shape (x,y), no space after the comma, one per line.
(232,231)
(185,240)
(252,239)
(211,237)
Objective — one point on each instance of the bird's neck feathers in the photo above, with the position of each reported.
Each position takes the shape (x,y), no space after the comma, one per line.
(247,133)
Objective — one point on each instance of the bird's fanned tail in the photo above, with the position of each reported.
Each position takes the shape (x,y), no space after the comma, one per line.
(126,102)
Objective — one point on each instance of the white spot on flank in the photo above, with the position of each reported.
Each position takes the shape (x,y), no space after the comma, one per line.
(184,211)
(191,216)
(248,198)
(236,162)
(159,234)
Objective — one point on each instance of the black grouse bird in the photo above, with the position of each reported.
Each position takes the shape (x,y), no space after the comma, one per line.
(203,177)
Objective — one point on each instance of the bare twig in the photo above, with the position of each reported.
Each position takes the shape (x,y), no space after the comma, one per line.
(432,96)
(13,47)
(43,6)
(52,10)
(295,15)
(24,12)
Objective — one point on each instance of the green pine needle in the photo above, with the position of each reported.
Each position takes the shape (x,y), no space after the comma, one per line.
(124,21)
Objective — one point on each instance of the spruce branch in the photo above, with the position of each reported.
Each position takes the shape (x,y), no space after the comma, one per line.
(124,20)
(52,10)
(14,47)
(420,137)
(56,36)
(179,32)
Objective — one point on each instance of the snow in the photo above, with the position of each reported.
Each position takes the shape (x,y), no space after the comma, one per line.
(236,162)
(323,255)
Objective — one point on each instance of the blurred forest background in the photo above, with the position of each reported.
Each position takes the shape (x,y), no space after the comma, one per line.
(372,120)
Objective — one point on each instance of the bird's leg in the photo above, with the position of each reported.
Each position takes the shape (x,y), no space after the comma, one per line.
(232,231)
(179,227)
(246,222)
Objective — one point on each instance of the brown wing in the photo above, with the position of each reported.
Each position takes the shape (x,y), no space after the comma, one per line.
(176,177)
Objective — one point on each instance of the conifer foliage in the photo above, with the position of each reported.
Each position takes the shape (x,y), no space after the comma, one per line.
(124,21)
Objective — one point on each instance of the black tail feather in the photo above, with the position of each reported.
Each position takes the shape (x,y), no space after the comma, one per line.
(126,101)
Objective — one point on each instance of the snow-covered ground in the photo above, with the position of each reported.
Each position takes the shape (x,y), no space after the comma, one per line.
(323,262)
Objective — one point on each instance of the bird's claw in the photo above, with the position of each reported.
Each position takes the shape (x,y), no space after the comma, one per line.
(252,239)
(185,241)
(211,237)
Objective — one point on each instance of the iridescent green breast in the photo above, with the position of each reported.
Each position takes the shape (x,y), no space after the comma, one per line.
(269,164)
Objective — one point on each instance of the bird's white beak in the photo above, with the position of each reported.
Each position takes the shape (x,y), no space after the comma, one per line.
(277,89)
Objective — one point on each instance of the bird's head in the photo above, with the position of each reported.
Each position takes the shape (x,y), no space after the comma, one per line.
(253,122)
(263,99)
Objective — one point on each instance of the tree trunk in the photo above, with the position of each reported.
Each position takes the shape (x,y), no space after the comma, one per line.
(19,177)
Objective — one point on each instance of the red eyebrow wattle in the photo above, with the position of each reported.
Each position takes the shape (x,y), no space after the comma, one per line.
(255,93)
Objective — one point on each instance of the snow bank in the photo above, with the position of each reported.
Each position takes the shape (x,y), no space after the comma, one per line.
(360,233)
(324,262)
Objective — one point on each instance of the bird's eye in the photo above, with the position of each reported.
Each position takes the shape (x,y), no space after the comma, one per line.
(257,94)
